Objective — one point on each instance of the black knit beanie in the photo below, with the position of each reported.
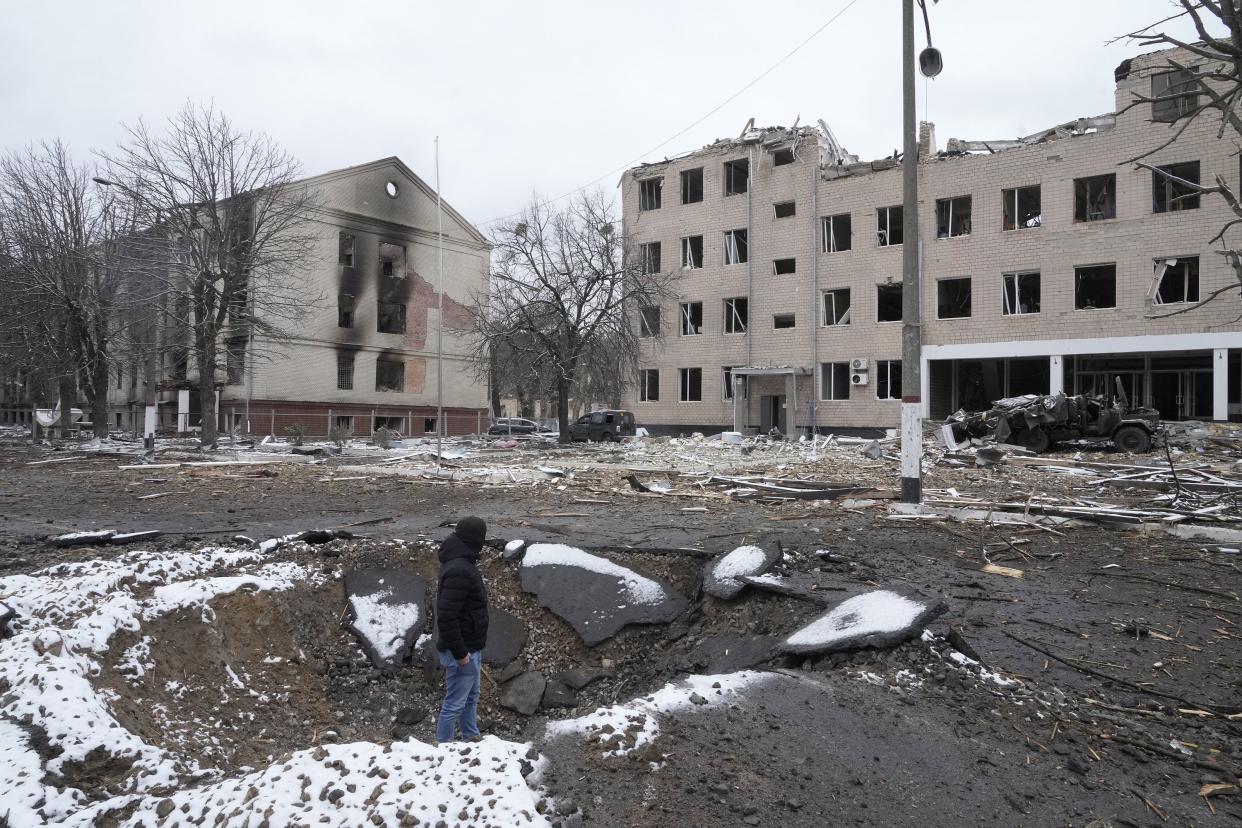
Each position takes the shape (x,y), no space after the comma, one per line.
(472,530)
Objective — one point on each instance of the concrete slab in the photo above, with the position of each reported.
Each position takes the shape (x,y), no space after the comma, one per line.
(722,577)
(506,636)
(880,618)
(727,653)
(386,613)
(595,595)
(524,694)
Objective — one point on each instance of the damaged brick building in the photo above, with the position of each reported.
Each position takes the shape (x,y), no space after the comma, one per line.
(365,357)
(1045,261)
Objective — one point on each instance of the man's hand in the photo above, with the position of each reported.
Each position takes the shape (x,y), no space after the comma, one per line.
(464,661)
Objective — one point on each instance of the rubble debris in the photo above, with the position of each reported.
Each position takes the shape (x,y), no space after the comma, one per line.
(728,653)
(385,608)
(93,538)
(795,584)
(880,618)
(595,595)
(524,694)
(721,576)
(506,636)
(7,615)
(872,450)
(556,694)
(580,677)
(513,549)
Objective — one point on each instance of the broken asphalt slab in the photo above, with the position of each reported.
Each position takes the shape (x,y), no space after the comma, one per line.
(506,636)
(385,613)
(722,577)
(880,618)
(595,595)
(524,693)
(795,585)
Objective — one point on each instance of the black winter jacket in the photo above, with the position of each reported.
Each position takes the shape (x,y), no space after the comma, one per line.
(461,604)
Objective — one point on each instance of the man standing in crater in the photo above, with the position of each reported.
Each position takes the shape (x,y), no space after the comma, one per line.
(461,624)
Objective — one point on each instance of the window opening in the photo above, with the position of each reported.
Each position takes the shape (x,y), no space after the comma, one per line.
(1176,94)
(737,251)
(346,256)
(888,303)
(736,315)
(345,304)
(736,176)
(692,252)
(389,375)
(1169,195)
(888,379)
(837,307)
(783,267)
(429,425)
(649,191)
(691,384)
(837,233)
(390,317)
(651,257)
(781,157)
(691,318)
(953,298)
(785,209)
(834,381)
(1095,286)
(692,186)
(649,385)
(1095,198)
(1022,209)
(649,321)
(952,217)
(345,372)
(1020,292)
(1176,281)
(784,321)
(343,422)
(889,230)
(235,361)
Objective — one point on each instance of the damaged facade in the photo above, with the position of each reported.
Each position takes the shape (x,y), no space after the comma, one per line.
(365,356)
(1044,261)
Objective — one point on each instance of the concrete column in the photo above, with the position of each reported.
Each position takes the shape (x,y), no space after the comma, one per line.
(925,387)
(1056,375)
(739,403)
(791,406)
(1220,384)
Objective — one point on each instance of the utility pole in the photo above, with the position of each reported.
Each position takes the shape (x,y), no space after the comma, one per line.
(911,322)
(439,314)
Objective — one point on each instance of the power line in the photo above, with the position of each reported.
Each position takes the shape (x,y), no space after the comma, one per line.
(714,110)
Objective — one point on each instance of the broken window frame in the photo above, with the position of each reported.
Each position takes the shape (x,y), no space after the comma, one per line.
(784,267)
(650,193)
(429,425)
(736,177)
(1013,286)
(235,361)
(942,285)
(1095,198)
(395,369)
(778,318)
(345,370)
(784,156)
(345,249)
(649,321)
(834,381)
(885,230)
(835,316)
(837,232)
(390,317)
(892,288)
(1013,217)
(1180,90)
(690,385)
(736,315)
(344,422)
(649,257)
(736,247)
(648,384)
(726,383)
(953,217)
(1169,195)
(1081,274)
(1187,273)
(692,186)
(691,258)
(346,306)
(688,311)
(886,370)
(784,209)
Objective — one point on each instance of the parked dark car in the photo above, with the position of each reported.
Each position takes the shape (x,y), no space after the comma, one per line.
(603,426)
(515,425)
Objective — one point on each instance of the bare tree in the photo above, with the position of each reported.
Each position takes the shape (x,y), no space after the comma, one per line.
(227,207)
(563,284)
(61,285)
(1194,93)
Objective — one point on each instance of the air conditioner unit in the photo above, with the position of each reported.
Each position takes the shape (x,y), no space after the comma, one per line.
(858,378)
(858,364)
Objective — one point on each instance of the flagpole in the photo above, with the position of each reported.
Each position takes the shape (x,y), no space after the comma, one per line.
(439,312)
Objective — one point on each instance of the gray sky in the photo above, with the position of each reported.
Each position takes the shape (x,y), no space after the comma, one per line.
(545,96)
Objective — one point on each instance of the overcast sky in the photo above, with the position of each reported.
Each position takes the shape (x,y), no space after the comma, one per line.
(546,96)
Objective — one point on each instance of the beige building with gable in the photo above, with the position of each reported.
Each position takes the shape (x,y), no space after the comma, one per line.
(365,355)
(1045,262)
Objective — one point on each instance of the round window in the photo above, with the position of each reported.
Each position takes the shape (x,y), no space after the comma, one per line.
(391,189)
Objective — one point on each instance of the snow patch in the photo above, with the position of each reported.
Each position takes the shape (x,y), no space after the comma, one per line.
(880,611)
(383,624)
(745,560)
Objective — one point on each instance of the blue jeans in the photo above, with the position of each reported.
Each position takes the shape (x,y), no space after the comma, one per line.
(461,697)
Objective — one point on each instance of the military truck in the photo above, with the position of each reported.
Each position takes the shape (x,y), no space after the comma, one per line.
(1037,422)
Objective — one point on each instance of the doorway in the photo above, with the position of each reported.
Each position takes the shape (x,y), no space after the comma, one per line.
(772,413)
(1182,395)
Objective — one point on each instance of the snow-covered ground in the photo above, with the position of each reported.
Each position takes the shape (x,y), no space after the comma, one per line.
(66,617)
